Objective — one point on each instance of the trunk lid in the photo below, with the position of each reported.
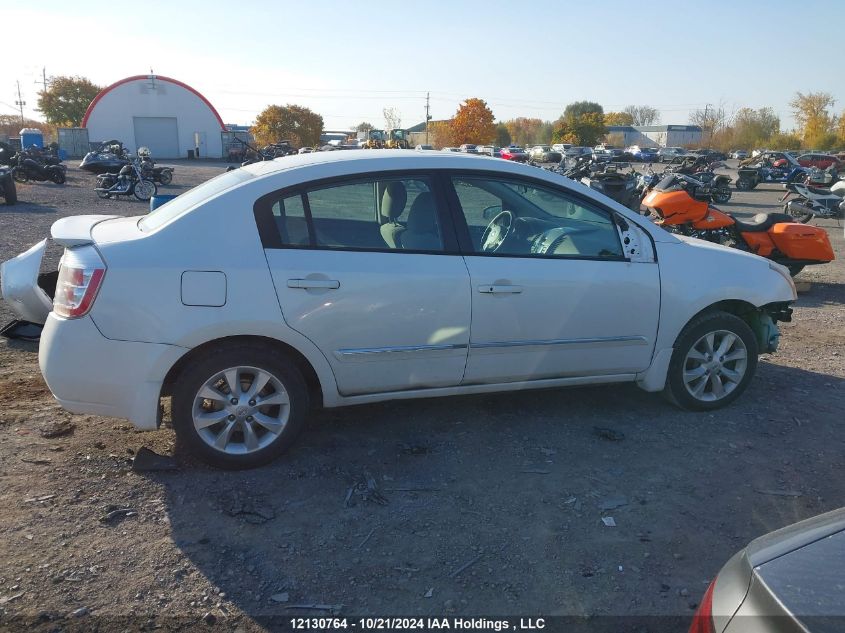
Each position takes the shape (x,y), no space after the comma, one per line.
(21,285)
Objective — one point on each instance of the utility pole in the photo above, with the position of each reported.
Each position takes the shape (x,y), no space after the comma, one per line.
(43,81)
(20,102)
(427,116)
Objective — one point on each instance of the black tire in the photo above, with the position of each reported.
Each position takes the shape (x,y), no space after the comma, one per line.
(721,195)
(57,176)
(743,184)
(20,175)
(794,269)
(166,177)
(206,366)
(676,390)
(10,192)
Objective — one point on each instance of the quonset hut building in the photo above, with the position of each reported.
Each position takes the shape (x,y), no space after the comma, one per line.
(167,116)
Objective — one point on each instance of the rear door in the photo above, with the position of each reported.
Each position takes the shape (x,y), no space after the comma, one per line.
(368,269)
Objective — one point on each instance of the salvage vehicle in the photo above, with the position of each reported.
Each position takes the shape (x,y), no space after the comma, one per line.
(109,156)
(681,204)
(544,154)
(340,278)
(787,581)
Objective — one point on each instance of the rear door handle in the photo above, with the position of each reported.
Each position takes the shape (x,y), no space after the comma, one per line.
(330,284)
(500,290)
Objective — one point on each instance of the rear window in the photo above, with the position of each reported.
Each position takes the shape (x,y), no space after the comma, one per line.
(191,198)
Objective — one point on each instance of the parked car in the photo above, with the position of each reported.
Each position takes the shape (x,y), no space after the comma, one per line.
(469,148)
(490,150)
(642,154)
(739,154)
(544,154)
(666,154)
(787,581)
(821,161)
(338,278)
(561,147)
(424,147)
(450,149)
(602,155)
(514,153)
(575,151)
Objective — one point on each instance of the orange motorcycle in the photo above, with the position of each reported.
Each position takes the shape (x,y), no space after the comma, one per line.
(681,208)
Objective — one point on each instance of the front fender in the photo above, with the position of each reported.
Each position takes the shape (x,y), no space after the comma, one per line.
(695,274)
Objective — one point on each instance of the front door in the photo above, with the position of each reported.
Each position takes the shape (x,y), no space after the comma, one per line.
(360,268)
(552,294)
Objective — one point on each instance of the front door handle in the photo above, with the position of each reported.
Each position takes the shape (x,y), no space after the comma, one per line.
(504,289)
(329,284)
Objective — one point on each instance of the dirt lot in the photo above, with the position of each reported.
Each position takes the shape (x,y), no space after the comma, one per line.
(486,505)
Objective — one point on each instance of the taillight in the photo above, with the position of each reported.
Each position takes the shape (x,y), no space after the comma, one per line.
(702,621)
(80,276)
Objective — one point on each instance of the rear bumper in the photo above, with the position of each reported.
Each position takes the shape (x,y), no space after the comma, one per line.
(88,373)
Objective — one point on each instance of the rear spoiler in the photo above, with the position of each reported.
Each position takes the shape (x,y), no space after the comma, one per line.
(76,230)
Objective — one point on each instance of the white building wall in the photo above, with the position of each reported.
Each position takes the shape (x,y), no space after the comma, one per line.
(112,116)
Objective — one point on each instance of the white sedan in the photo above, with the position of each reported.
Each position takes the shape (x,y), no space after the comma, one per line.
(339,278)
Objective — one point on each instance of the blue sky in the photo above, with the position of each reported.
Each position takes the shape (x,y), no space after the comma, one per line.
(348,60)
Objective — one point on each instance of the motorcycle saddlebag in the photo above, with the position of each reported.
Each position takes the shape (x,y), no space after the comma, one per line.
(802,241)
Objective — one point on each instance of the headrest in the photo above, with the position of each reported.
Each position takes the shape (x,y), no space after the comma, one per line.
(393,200)
(422,217)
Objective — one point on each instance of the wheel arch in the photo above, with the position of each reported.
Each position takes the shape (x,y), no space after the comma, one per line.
(309,374)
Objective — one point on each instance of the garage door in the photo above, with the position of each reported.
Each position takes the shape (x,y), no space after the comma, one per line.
(158,133)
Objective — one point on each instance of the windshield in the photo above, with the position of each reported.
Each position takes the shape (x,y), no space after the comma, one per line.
(191,198)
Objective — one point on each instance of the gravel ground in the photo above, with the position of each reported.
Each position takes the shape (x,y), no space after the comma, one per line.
(484,505)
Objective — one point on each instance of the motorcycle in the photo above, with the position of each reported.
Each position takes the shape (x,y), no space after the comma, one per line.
(127,182)
(26,167)
(777,236)
(604,178)
(164,175)
(110,156)
(823,203)
(702,170)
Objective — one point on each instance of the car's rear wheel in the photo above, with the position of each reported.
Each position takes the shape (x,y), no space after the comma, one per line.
(239,406)
(714,359)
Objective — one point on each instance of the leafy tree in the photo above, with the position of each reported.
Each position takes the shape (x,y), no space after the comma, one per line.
(65,100)
(473,123)
(392,118)
(781,140)
(440,134)
(10,125)
(711,120)
(364,127)
(643,115)
(503,137)
(754,128)
(525,131)
(840,128)
(291,122)
(618,118)
(815,123)
(582,123)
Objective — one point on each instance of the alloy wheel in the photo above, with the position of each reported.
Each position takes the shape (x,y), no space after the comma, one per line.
(715,365)
(241,410)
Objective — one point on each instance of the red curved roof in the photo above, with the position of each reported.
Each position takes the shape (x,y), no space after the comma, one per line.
(108,89)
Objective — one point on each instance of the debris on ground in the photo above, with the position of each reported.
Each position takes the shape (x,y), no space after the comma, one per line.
(334,608)
(81,612)
(60,428)
(280,597)
(146,460)
(467,564)
(12,598)
(40,499)
(366,538)
(429,593)
(250,510)
(209,618)
(609,521)
(116,514)
(608,433)
(368,489)
(40,461)
(535,471)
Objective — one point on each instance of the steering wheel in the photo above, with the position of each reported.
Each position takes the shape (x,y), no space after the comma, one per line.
(497,232)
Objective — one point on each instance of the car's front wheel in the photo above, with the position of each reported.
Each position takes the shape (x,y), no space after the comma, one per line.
(239,406)
(714,359)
